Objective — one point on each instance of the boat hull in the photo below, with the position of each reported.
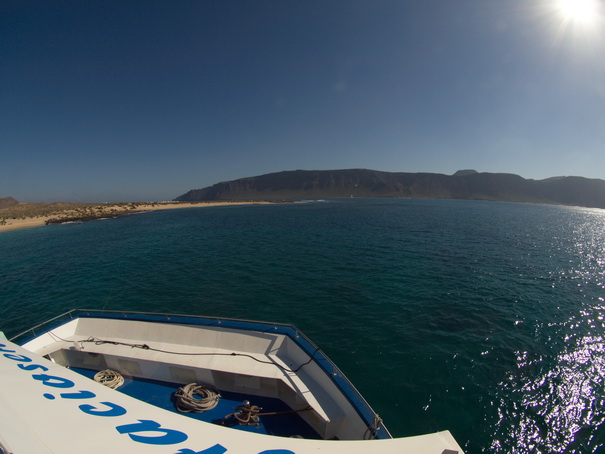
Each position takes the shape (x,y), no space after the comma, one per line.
(250,358)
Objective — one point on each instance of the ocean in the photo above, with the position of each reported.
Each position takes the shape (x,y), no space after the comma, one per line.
(483,318)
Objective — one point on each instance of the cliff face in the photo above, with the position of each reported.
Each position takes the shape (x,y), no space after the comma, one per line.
(466,184)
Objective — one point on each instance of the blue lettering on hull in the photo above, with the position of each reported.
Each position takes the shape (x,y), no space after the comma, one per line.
(144,431)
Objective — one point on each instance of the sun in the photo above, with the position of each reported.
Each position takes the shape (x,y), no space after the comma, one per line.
(579,11)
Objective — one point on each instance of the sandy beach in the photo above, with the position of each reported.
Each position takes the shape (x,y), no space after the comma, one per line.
(27,215)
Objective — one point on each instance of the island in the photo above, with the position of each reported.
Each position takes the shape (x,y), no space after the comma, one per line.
(465,185)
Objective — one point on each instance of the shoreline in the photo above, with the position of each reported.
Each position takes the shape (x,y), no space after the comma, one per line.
(89,212)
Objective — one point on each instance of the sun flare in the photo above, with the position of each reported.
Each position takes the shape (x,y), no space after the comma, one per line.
(581,11)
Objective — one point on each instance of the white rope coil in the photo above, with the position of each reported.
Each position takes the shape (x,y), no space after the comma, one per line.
(109,378)
(194,398)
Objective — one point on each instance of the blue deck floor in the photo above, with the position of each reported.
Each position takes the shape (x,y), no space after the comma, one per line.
(161,395)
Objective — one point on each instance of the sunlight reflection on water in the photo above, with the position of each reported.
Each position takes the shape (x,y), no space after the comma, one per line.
(545,408)
(559,410)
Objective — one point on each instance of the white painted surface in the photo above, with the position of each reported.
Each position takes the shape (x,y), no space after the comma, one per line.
(33,423)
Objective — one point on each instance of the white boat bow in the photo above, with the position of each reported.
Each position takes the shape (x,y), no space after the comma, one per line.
(47,405)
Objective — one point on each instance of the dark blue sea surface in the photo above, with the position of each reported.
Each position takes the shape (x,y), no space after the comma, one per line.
(484,318)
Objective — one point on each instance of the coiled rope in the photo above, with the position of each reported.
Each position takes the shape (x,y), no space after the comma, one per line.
(194,398)
(109,378)
(248,415)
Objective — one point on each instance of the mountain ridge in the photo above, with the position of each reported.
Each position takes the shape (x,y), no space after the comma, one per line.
(465,184)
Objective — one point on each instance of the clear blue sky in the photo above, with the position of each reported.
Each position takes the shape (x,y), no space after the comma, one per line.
(143,100)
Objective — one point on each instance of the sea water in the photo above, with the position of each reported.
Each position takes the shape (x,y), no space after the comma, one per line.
(483,318)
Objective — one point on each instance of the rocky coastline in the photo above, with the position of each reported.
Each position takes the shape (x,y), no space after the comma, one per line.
(25,215)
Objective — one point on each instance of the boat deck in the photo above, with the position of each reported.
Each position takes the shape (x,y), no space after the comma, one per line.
(160,394)
(39,409)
